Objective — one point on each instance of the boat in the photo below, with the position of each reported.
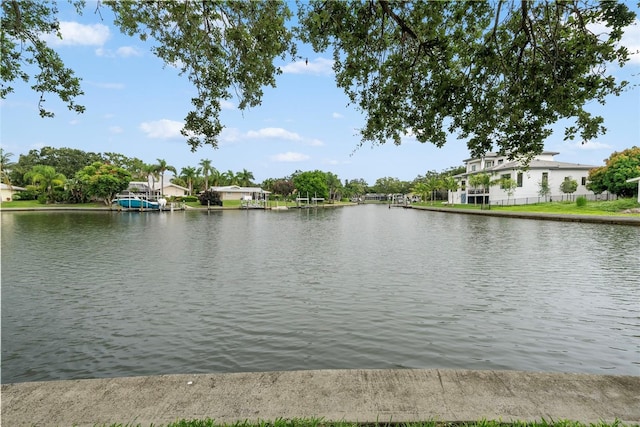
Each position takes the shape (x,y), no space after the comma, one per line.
(134,202)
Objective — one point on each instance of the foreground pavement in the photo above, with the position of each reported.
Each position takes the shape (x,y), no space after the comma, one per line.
(351,395)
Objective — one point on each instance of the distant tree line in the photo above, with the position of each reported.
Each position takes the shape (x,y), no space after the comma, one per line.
(75,176)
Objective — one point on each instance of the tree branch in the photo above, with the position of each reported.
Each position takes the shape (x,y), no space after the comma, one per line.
(405,28)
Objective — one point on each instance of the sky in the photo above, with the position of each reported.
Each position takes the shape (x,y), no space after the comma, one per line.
(135,106)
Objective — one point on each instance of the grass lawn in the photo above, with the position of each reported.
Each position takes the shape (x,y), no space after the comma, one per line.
(27,204)
(610,207)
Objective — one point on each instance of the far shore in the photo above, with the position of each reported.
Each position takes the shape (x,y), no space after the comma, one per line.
(619,218)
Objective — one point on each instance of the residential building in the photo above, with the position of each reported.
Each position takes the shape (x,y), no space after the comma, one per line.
(174,190)
(142,188)
(529,180)
(235,192)
(7,191)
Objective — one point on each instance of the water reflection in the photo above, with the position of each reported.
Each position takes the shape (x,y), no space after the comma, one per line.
(101,295)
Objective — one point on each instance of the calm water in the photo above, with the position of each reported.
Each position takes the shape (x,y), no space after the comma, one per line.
(96,294)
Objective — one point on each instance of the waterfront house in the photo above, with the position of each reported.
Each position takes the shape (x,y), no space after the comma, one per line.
(174,190)
(7,191)
(529,180)
(235,192)
(143,189)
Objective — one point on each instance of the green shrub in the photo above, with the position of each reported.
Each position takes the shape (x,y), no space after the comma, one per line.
(25,195)
(211,198)
(581,201)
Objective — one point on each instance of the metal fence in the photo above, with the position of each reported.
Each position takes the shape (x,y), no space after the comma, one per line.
(561,198)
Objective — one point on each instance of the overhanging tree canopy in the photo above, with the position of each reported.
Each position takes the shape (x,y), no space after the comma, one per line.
(497,74)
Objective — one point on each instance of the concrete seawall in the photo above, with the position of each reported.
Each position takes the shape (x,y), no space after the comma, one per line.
(351,395)
(631,219)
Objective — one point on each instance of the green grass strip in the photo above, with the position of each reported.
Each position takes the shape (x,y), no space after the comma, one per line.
(319,422)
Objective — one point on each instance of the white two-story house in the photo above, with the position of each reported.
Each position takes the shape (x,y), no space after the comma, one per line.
(529,180)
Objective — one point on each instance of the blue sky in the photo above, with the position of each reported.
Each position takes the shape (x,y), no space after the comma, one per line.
(135,106)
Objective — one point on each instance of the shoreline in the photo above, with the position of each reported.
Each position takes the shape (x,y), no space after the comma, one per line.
(359,395)
(592,219)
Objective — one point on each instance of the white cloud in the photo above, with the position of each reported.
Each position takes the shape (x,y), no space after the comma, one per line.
(115,129)
(75,34)
(162,129)
(337,116)
(127,51)
(592,145)
(230,135)
(316,143)
(122,52)
(630,38)
(290,157)
(227,105)
(273,133)
(318,66)
(74,122)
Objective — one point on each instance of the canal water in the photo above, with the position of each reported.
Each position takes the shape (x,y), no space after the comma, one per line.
(101,294)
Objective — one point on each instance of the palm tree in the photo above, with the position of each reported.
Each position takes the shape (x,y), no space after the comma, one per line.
(45,178)
(152,173)
(162,168)
(481,180)
(216,177)
(205,166)
(450,184)
(422,189)
(188,174)
(229,177)
(245,178)
(5,167)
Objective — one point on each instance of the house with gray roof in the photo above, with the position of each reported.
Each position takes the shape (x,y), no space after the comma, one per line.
(235,192)
(144,189)
(529,178)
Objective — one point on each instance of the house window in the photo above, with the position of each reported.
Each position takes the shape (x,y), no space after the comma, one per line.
(519,179)
(545,177)
(584,180)
(473,168)
(463,185)
(500,161)
(488,164)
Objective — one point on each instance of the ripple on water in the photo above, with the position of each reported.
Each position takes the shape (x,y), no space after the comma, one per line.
(361,287)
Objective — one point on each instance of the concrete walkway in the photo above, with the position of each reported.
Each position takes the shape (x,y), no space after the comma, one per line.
(352,395)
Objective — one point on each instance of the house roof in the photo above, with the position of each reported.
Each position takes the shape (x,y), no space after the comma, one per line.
(238,189)
(533,164)
(156,185)
(493,155)
(541,164)
(171,184)
(4,186)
